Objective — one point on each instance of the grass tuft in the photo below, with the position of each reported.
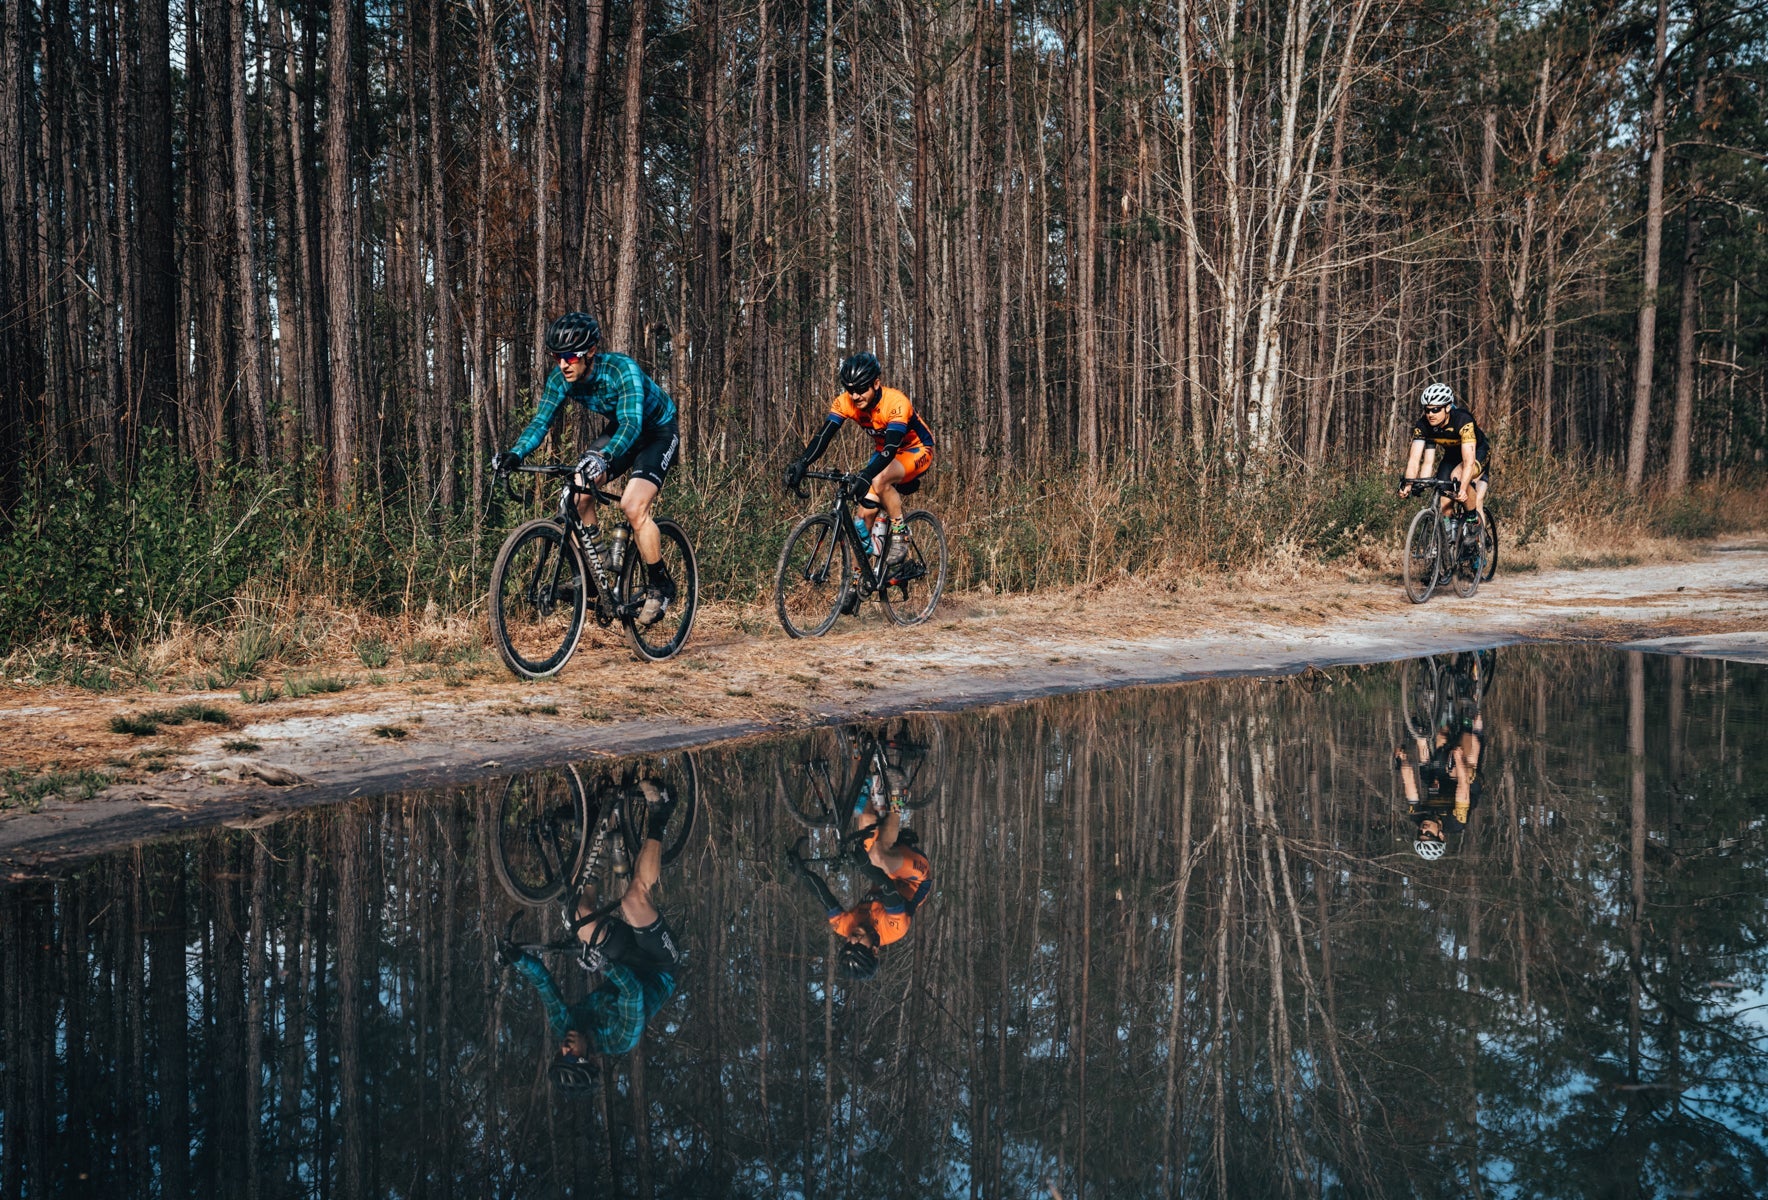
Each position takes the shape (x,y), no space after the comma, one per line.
(317,684)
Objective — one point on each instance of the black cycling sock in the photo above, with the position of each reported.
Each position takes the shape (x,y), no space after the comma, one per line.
(657,575)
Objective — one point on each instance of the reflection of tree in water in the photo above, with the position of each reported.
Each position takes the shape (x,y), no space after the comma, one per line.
(1207,889)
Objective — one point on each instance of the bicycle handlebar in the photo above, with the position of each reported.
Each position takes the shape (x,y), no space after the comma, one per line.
(565,471)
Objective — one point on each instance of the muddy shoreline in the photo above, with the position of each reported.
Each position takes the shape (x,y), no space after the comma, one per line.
(991,651)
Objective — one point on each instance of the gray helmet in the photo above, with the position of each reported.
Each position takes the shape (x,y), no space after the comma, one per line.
(1429,849)
(573,333)
(1437,395)
(858,372)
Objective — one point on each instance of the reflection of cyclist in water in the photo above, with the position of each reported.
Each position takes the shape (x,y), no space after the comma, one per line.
(1443,787)
(901,880)
(634,949)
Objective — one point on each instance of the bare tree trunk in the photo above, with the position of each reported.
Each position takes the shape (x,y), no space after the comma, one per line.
(251,311)
(1648,284)
(1676,479)
(632,175)
(340,253)
(159,270)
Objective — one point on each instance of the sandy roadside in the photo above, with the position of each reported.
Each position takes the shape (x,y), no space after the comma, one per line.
(740,677)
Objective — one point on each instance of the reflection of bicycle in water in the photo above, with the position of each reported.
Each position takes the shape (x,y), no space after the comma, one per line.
(851,794)
(850,767)
(1438,691)
(1441,698)
(597,853)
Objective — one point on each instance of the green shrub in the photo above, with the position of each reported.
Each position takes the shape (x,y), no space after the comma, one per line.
(374,653)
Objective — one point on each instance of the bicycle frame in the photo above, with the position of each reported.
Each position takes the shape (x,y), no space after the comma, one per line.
(871,581)
(602,572)
(1448,546)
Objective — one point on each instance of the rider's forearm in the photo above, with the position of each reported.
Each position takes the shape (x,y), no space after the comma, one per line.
(893,435)
(558,1014)
(821,441)
(543,419)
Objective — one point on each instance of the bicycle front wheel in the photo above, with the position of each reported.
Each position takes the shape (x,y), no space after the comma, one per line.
(1466,560)
(1418,570)
(912,587)
(669,632)
(1420,695)
(542,831)
(812,580)
(1488,545)
(539,593)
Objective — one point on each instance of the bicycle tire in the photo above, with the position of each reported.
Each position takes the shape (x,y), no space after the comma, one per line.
(824,779)
(677,773)
(540,834)
(909,601)
(539,594)
(665,638)
(1489,547)
(1466,561)
(1420,689)
(814,576)
(1421,559)
(914,747)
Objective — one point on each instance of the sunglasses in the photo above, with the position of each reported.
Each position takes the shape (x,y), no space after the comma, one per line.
(566,360)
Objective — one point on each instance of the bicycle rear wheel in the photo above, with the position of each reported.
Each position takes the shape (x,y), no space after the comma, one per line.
(539,593)
(665,636)
(912,587)
(662,779)
(813,577)
(1418,569)
(541,833)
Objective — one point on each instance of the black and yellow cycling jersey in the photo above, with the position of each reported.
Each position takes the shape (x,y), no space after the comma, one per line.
(1448,438)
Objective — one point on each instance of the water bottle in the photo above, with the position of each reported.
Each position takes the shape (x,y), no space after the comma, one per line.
(617,551)
(878,528)
(865,539)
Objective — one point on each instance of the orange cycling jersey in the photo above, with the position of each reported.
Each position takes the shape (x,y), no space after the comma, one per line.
(892,408)
(889,916)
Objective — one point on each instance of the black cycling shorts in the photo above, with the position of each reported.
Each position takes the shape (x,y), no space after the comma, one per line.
(1446,464)
(652,947)
(651,456)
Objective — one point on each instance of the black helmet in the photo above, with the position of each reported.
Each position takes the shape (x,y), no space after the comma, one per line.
(572,1075)
(573,333)
(857,961)
(858,372)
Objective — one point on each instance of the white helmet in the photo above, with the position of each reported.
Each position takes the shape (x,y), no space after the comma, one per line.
(1429,849)
(1437,395)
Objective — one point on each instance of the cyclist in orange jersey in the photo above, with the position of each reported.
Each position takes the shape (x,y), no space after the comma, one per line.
(902,879)
(902,445)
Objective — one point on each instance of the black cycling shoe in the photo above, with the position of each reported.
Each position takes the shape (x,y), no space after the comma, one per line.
(906,572)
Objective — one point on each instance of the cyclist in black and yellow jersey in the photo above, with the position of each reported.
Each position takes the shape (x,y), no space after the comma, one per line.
(1447,433)
(1443,787)
(902,445)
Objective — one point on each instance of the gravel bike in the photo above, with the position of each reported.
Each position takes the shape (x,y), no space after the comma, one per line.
(556,840)
(827,566)
(550,570)
(1449,544)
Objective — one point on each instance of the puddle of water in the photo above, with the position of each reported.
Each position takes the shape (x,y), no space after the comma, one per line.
(1172,940)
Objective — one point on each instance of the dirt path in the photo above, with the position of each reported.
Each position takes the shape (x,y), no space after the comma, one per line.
(741,677)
